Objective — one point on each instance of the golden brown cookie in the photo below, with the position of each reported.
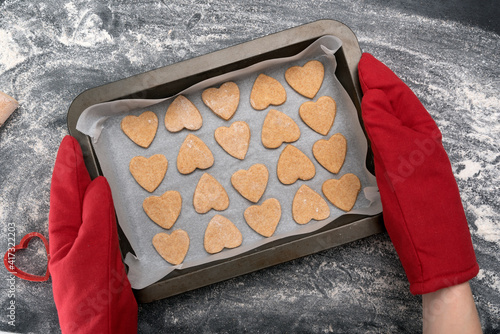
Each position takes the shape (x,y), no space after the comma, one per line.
(267,91)
(343,192)
(194,153)
(234,139)
(331,153)
(172,247)
(140,129)
(264,218)
(165,209)
(307,205)
(209,194)
(149,172)
(293,164)
(306,80)
(319,115)
(182,113)
(278,128)
(222,101)
(221,233)
(251,183)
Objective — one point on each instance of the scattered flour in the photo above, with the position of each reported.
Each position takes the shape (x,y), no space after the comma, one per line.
(87,28)
(488,225)
(471,168)
(9,52)
(491,276)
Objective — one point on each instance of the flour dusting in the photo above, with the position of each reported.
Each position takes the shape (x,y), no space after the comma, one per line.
(9,51)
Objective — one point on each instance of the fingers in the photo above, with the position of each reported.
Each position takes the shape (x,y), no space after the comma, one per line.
(69,182)
(378,117)
(97,237)
(99,222)
(391,141)
(373,74)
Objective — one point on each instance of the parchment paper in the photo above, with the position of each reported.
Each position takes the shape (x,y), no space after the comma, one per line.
(115,150)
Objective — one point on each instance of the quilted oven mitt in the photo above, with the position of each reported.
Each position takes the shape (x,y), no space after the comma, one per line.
(89,282)
(422,209)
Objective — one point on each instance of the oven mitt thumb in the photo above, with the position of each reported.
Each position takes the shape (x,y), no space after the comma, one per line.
(91,290)
(422,209)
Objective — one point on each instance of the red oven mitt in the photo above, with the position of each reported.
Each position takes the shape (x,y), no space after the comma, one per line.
(89,282)
(422,209)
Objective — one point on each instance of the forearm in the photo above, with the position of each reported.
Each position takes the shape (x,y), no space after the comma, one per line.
(450,310)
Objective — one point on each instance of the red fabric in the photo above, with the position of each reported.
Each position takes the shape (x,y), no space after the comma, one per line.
(89,282)
(422,209)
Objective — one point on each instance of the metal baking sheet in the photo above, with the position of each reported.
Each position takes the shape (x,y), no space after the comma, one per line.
(272,253)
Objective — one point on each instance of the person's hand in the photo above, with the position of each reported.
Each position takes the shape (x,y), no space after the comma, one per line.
(89,282)
(422,209)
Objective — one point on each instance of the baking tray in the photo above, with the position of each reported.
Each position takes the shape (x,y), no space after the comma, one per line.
(172,79)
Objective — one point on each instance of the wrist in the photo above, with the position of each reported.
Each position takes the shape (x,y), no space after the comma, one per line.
(450,310)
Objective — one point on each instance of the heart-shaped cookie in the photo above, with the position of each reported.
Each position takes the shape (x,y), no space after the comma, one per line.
(331,153)
(221,233)
(264,218)
(172,247)
(343,192)
(293,164)
(149,172)
(182,113)
(222,101)
(266,91)
(194,153)
(165,209)
(209,194)
(306,80)
(140,129)
(234,139)
(251,183)
(278,128)
(319,115)
(307,205)
(9,259)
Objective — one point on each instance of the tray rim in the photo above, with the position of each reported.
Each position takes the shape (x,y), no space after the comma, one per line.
(364,227)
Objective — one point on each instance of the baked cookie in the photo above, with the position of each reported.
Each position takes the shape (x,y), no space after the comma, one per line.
(182,114)
(140,129)
(267,91)
(222,101)
(342,193)
(209,194)
(306,80)
(293,164)
(331,153)
(149,172)
(319,115)
(194,153)
(278,128)
(172,247)
(251,183)
(234,139)
(264,218)
(307,205)
(221,233)
(165,209)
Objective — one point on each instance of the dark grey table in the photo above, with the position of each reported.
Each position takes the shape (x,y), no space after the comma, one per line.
(446,51)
